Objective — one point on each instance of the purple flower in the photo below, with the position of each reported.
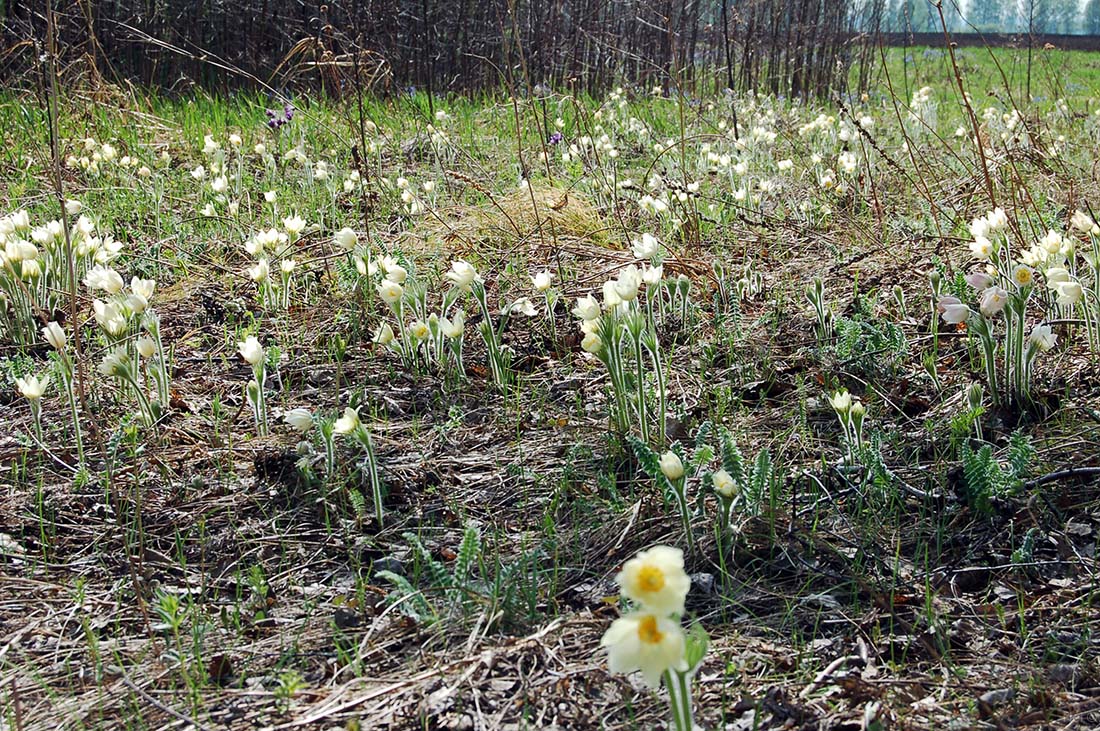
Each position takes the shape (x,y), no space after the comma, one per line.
(555,138)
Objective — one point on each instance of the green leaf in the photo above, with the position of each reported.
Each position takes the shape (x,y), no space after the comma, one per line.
(733,461)
(468,553)
(434,570)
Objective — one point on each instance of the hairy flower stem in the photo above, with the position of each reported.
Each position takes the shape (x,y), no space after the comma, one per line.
(643,413)
(70,394)
(679,699)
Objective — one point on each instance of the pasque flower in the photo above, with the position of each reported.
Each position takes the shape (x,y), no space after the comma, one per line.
(542,281)
(656,579)
(626,286)
(671,465)
(390,291)
(841,401)
(1043,338)
(645,642)
(993,301)
(588,308)
(32,387)
(1069,293)
(55,336)
(346,239)
(462,274)
(952,310)
(251,350)
(724,484)
(300,419)
(348,422)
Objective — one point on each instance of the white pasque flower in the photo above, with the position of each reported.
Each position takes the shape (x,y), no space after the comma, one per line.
(55,336)
(390,291)
(1070,293)
(453,327)
(542,281)
(841,401)
(32,387)
(260,272)
(383,335)
(348,422)
(108,315)
(294,225)
(588,308)
(671,465)
(993,301)
(953,310)
(462,274)
(346,239)
(646,642)
(146,347)
(723,484)
(523,305)
(300,419)
(143,287)
(1043,338)
(646,247)
(656,579)
(251,350)
(626,286)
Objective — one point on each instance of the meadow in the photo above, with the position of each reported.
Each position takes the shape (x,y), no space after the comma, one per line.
(399,411)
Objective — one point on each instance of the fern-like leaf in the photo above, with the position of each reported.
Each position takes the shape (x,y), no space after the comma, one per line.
(1021,454)
(435,571)
(412,601)
(761,478)
(469,553)
(733,461)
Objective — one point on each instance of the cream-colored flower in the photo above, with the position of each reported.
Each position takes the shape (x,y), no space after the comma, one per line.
(645,642)
(294,225)
(55,336)
(462,274)
(724,484)
(251,350)
(453,327)
(671,465)
(541,281)
(1070,293)
(1056,276)
(656,579)
(108,315)
(592,343)
(146,347)
(384,334)
(390,291)
(841,401)
(300,419)
(143,287)
(1023,276)
(32,387)
(346,239)
(1043,338)
(993,301)
(260,272)
(347,423)
(587,308)
(396,273)
(626,286)
(646,247)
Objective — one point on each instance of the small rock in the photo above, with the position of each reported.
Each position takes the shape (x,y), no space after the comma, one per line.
(388,563)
